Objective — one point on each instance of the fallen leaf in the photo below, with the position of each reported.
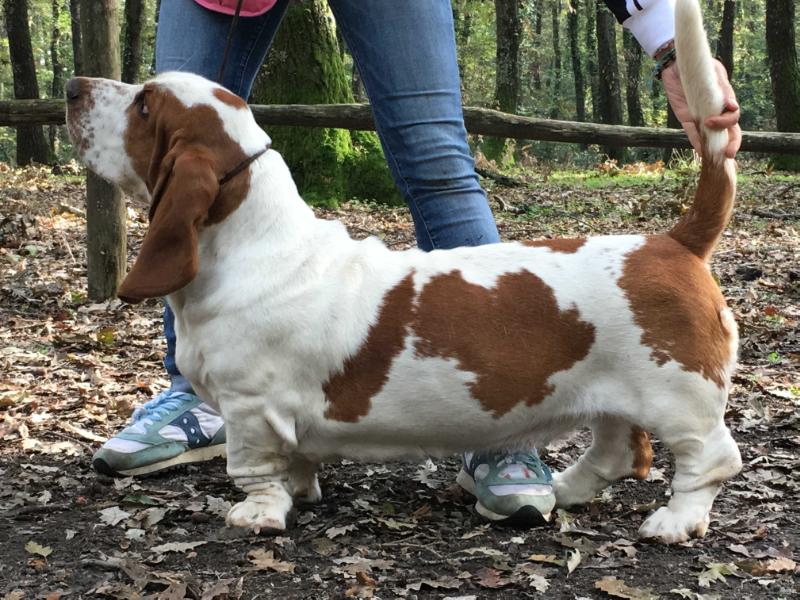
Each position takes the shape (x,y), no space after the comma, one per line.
(153,516)
(446,582)
(176,547)
(739,549)
(490,578)
(538,582)
(547,558)
(333,532)
(264,560)
(34,548)
(715,572)
(113,515)
(218,506)
(573,560)
(134,534)
(323,546)
(777,565)
(485,552)
(619,589)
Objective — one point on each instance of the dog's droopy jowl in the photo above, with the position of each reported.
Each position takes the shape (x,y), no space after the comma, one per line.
(316,346)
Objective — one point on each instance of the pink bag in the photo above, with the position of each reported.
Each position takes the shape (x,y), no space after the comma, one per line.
(250,8)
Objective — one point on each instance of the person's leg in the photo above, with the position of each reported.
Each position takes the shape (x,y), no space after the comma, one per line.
(177,426)
(406,54)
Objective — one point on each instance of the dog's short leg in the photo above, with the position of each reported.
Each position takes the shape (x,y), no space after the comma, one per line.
(618,450)
(703,461)
(259,463)
(303,483)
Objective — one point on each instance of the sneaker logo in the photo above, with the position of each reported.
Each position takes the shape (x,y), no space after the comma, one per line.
(191,427)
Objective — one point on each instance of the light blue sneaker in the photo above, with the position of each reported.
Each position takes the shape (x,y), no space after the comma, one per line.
(513,487)
(173,428)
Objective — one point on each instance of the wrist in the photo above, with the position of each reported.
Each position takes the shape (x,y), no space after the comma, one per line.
(664,57)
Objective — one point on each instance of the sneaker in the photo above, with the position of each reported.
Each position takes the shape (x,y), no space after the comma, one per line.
(514,487)
(173,428)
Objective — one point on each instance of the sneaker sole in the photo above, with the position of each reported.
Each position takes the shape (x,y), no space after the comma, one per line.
(527,516)
(190,456)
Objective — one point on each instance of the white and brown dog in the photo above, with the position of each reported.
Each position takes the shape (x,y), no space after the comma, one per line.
(314,345)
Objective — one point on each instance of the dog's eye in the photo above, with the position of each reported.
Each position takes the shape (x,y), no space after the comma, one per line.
(141,104)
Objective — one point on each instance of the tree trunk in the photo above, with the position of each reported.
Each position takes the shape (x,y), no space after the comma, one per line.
(591,55)
(506,91)
(75,22)
(105,209)
(462,17)
(609,101)
(555,90)
(725,41)
(507,55)
(305,66)
(673,152)
(57,89)
(577,71)
(633,72)
(783,70)
(536,60)
(132,53)
(31,142)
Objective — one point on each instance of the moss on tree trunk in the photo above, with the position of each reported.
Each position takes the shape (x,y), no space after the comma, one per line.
(305,66)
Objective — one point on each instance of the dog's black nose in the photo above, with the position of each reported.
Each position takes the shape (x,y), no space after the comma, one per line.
(73,89)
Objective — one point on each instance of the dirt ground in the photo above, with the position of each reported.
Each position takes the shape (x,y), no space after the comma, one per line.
(71,371)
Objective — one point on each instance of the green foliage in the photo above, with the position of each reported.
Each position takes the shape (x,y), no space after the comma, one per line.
(333,165)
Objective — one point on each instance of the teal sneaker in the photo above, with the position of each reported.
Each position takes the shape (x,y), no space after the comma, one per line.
(173,428)
(512,487)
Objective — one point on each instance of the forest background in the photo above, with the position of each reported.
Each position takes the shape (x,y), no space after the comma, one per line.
(557,59)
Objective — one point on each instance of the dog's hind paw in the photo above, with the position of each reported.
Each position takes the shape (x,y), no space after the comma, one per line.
(671,527)
(264,512)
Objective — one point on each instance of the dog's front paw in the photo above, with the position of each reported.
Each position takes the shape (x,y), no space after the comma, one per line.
(265,511)
(672,527)
(571,487)
(312,494)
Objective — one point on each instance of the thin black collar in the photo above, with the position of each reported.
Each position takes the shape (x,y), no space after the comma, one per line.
(240,167)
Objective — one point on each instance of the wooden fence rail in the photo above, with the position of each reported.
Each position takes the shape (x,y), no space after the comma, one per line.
(482,121)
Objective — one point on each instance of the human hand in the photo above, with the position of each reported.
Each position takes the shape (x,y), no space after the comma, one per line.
(729,119)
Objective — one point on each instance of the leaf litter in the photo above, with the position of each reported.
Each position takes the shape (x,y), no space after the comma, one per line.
(71,372)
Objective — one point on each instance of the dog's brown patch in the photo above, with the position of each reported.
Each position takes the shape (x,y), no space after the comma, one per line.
(567,245)
(642,452)
(365,373)
(228,98)
(168,134)
(151,140)
(677,304)
(512,336)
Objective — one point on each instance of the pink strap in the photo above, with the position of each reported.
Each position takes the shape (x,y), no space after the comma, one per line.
(250,8)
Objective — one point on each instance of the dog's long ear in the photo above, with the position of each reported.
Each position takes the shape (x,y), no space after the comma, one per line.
(186,188)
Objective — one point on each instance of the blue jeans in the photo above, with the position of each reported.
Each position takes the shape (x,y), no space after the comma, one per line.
(406,54)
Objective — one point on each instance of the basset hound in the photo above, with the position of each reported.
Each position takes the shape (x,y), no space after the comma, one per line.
(316,346)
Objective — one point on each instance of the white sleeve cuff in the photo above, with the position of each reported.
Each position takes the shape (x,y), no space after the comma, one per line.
(652,22)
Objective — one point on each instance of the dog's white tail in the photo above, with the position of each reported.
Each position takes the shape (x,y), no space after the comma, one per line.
(702,225)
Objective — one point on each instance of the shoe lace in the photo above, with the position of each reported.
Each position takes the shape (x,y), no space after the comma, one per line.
(530,458)
(157,408)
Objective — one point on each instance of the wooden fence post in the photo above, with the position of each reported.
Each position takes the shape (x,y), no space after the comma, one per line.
(106,235)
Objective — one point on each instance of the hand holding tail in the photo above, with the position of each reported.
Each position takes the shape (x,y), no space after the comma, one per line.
(698,88)
(726,121)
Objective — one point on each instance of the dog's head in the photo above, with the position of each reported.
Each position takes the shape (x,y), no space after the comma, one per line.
(173,139)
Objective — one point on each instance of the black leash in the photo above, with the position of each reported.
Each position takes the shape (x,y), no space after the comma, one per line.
(240,167)
(231,29)
(249,160)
